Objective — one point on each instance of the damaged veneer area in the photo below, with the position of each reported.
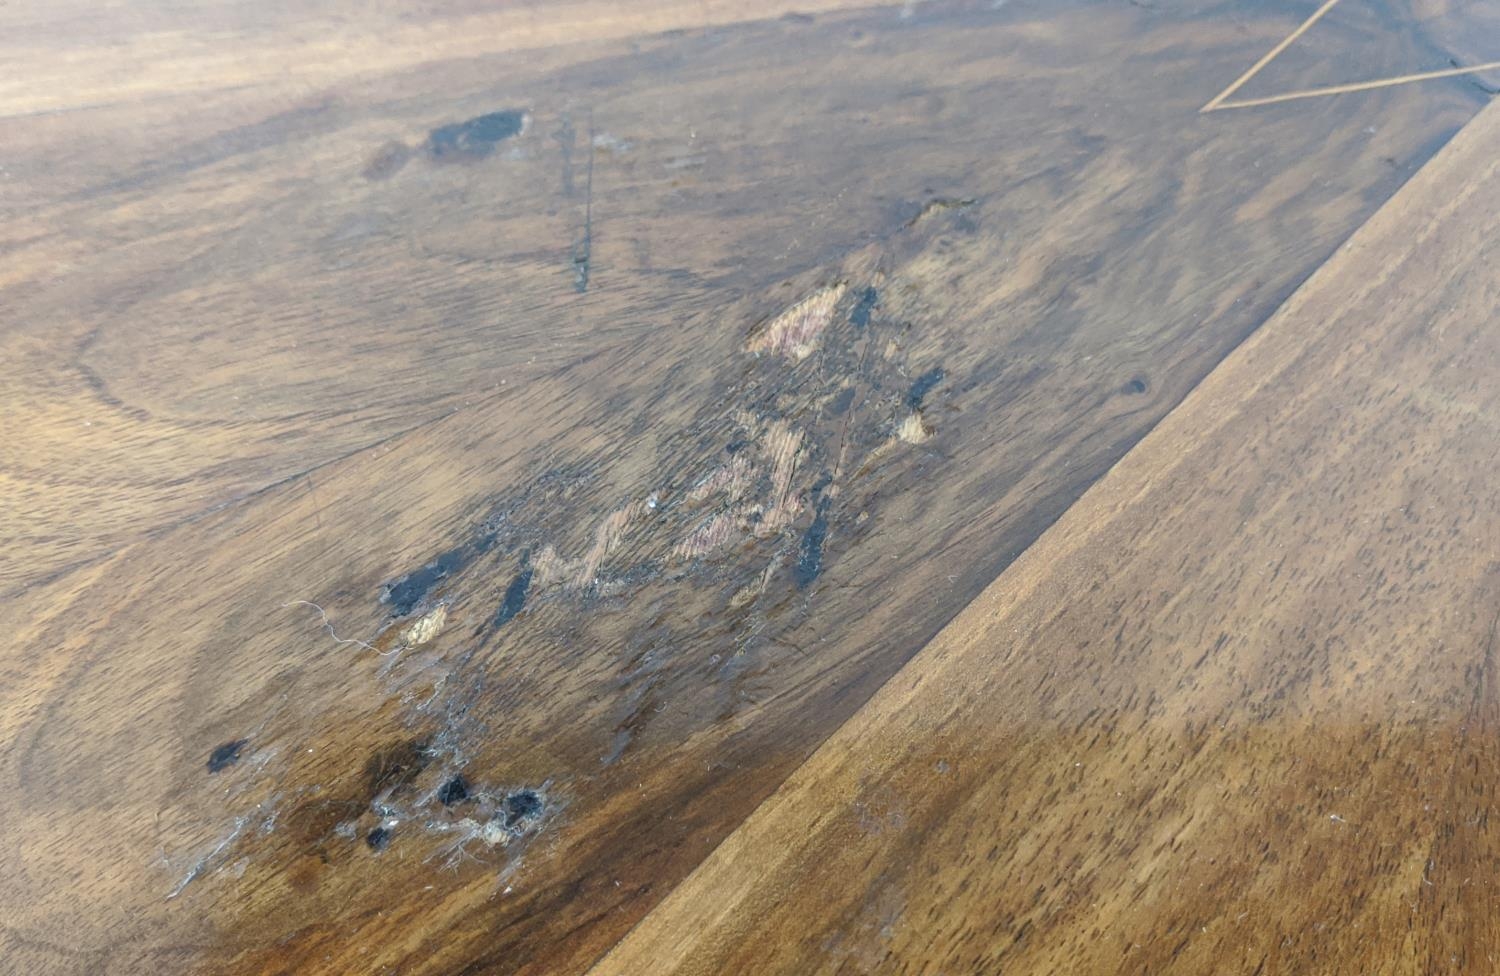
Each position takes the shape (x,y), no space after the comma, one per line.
(746,506)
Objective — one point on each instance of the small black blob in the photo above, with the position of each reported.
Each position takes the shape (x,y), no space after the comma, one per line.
(1136,386)
(456,790)
(521,807)
(378,839)
(226,755)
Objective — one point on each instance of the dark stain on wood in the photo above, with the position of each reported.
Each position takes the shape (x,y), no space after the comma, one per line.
(923,385)
(225,755)
(515,597)
(454,791)
(408,592)
(477,137)
(397,766)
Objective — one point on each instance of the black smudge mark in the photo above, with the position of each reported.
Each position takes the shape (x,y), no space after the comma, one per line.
(476,137)
(225,755)
(923,385)
(407,592)
(810,557)
(515,597)
(378,839)
(454,791)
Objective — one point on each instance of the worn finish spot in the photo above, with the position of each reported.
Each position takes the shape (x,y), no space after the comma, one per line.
(225,755)
(396,766)
(378,839)
(454,791)
(315,822)
(923,385)
(515,597)
(476,137)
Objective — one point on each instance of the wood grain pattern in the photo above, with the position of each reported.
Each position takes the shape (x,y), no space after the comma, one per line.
(206,294)
(73,54)
(607,458)
(1234,712)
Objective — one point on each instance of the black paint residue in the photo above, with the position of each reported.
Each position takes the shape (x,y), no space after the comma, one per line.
(407,592)
(455,791)
(868,299)
(515,597)
(396,765)
(810,559)
(475,138)
(923,385)
(378,839)
(225,756)
(520,809)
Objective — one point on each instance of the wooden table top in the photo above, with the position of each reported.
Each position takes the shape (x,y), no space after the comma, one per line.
(701,487)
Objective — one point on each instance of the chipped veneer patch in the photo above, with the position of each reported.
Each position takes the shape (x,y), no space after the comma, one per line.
(732,479)
(426,627)
(913,429)
(551,567)
(715,533)
(783,444)
(794,333)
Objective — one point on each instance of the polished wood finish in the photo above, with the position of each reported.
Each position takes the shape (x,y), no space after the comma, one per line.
(458,469)
(1234,712)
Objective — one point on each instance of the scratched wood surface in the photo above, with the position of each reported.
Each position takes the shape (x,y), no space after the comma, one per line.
(1234,712)
(449,488)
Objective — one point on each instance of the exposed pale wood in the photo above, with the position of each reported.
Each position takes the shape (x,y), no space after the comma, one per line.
(689,519)
(1234,712)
